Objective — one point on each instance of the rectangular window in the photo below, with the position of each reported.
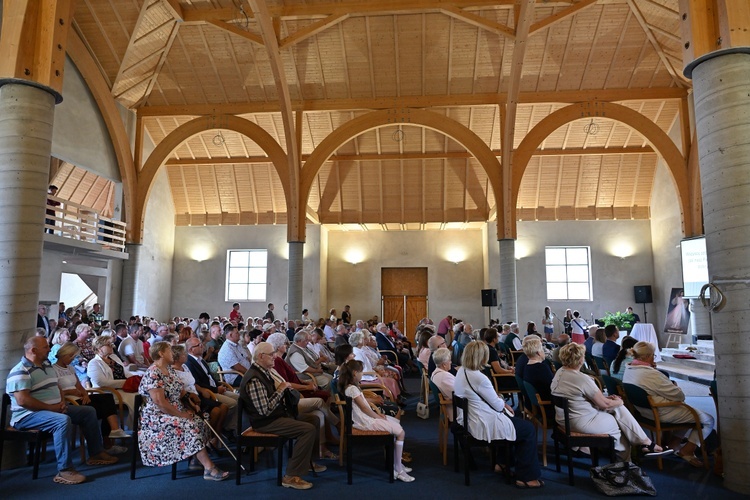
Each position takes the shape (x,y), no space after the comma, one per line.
(568,273)
(247,274)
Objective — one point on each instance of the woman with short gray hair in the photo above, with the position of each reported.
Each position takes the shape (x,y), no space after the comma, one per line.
(442,376)
(357,341)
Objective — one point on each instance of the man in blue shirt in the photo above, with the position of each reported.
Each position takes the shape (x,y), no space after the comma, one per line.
(610,349)
(37,403)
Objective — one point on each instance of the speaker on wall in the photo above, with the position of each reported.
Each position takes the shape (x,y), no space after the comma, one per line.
(642,294)
(489,297)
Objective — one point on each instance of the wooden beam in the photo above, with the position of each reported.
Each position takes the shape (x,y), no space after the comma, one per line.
(32,44)
(676,77)
(478,21)
(236,30)
(450,155)
(296,217)
(312,30)
(563,14)
(525,13)
(434,101)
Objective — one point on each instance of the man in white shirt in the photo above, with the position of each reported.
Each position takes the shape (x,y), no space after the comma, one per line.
(328,331)
(304,361)
(232,356)
(131,349)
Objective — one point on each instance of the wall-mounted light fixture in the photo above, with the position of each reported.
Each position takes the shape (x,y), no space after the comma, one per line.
(201,252)
(354,256)
(622,249)
(455,255)
(521,251)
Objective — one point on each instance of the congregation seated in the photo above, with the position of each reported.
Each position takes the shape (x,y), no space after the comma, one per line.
(131,349)
(86,351)
(593,413)
(442,376)
(37,403)
(537,371)
(344,353)
(623,359)
(423,349)
(304,361)
(491,419)
(169,431)
(562,340)
(60,336)
(264,400)
(491,339)
(357,341)
(513,338)
(313,399)
(643,373)
(595,343)
(203,398)
(231,355)
(610,347)
(434,343)
(384,342)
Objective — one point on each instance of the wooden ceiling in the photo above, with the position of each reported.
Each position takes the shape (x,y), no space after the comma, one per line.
(83,187)
(173,60)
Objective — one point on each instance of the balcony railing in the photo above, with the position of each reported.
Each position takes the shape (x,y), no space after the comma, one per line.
(74,221)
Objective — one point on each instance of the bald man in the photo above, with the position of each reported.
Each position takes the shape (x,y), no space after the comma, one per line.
(38,403)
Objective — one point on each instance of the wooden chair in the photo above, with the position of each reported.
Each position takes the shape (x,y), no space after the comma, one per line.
(443,420)
(424,390)
(360,437)
(639,398)
(34,438)
(514,355)
(571,438)
(602,365)
(462,437)
(254,439)
(537,413)
(391,355)
(506,385)
(613,385)
(136,428)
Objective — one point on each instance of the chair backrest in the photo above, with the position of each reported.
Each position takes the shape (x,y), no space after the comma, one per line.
(531,393)
(636,395)
(462,404)
(4,414)
(562,403)
(435,392)
(611,383)
(601,364)
(348,420)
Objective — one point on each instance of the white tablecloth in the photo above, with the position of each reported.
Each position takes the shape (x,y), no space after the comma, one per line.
(646,333)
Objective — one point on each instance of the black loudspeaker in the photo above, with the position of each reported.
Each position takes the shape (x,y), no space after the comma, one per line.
(643,294)
(489,297)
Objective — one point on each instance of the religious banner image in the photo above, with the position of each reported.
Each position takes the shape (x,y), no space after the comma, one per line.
(678,313)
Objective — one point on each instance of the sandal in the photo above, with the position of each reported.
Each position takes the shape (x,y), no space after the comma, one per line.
(650,451)
(501,469)
(524,485)
(215,474)
(329,455)
(406,457)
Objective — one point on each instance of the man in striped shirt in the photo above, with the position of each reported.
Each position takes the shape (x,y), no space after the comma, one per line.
(37,403)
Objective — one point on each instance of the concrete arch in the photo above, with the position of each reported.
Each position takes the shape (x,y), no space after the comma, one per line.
(159,156)
(376,119)
(656,137)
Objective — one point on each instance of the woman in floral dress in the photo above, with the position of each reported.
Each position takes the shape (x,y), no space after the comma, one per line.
(169,432)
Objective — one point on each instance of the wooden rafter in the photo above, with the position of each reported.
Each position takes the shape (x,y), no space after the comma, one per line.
(312,30)
(138,72)
(676,75)
(478,21)
(431,101)
(236,30)
(563,14)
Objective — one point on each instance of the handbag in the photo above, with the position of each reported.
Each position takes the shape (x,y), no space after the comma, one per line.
(132,383)
(622,478)
(291,400)
(423,410)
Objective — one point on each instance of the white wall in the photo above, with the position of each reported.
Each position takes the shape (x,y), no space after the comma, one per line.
(153,294)
(453,288)
(200,286)
(79,134)
(613,277)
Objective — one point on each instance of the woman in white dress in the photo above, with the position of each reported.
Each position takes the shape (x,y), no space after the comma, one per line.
(364,418)
(643,373)
(593,413)
(491,419)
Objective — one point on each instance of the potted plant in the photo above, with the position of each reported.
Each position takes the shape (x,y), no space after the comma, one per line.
(623,321)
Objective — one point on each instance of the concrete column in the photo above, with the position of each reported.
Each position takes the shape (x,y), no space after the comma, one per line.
(722,113)
(294,290)
(508,290)
(26,115)
(129,298)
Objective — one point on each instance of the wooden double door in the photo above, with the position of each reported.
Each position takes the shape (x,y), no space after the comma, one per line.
(404,295)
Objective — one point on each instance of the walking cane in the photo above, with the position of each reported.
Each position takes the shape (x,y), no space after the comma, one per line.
(188,403)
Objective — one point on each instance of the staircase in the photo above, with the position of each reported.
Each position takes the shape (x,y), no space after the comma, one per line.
(699,370)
